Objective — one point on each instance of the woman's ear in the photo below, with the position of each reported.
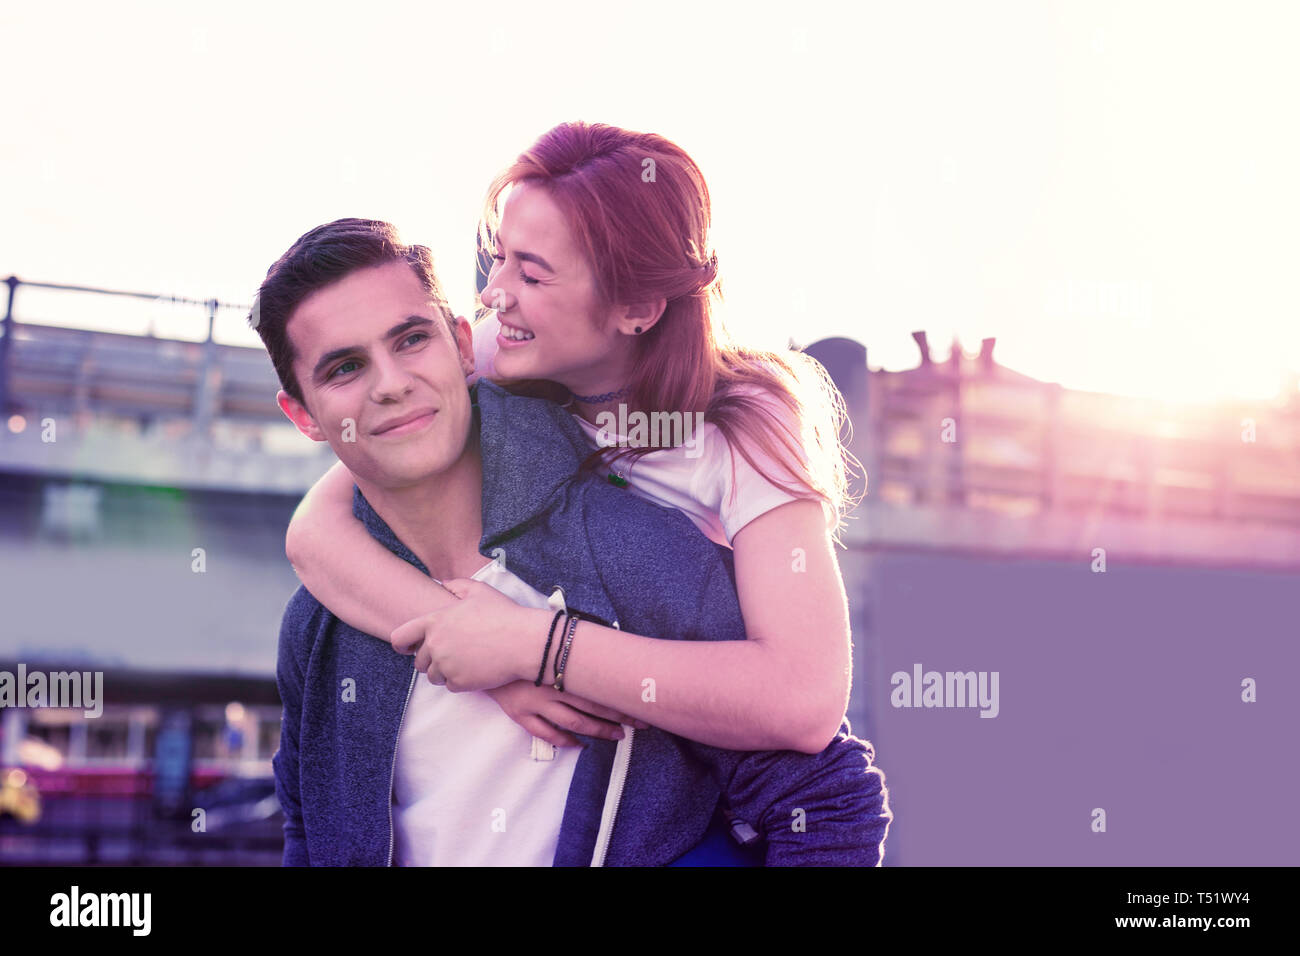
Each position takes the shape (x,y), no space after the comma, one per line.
(297,413)
(641,317)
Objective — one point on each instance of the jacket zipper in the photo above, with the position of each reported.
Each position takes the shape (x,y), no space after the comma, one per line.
(622,754)
(622,760)
(617,779)
(392,771)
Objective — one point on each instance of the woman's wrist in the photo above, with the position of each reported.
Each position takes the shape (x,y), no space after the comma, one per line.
(532,629)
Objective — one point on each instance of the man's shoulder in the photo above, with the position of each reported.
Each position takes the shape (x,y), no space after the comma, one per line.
(530,438)
(635,540)
(305,619)
(307,622)
(617,511)
(303,612)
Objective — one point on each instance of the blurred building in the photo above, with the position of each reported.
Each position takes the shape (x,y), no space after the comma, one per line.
(145,485)
(1129,569)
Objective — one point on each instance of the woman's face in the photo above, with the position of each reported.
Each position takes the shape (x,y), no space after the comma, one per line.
(544,294)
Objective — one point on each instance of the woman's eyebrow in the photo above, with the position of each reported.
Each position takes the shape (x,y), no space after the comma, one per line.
(525,256)
(534,258)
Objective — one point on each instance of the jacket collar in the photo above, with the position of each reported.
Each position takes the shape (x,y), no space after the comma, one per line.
(531,449)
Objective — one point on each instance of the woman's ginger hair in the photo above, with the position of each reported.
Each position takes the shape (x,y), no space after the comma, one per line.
(638,207)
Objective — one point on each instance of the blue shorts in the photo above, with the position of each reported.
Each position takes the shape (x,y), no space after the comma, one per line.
(719,848)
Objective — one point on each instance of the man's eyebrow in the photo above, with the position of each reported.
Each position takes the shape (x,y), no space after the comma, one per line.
(332,356)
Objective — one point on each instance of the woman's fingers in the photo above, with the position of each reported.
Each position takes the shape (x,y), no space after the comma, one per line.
(600,710)
(409,637)
(551,734)
(462,587)
(562,715)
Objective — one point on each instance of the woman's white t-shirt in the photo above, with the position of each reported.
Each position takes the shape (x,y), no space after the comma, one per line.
(704,478)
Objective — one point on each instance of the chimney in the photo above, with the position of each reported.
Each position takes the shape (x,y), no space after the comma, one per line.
(986,354)
(924,346)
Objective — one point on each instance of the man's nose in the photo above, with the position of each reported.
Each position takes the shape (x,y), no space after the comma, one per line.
(392,380)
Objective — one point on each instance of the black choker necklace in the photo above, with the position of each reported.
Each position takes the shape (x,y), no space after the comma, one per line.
(601,399)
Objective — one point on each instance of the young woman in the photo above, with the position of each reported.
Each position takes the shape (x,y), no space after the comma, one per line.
(602,290)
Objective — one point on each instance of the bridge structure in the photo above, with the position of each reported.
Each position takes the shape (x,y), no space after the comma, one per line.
(969,456)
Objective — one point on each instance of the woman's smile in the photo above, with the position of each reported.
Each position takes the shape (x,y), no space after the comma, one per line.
(512,336)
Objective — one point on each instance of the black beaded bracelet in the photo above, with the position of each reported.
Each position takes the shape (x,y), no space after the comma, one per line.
(546,652)
(574,617)
(562,653)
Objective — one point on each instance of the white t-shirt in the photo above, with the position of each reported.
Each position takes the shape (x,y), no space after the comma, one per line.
(695,478)
(468,790)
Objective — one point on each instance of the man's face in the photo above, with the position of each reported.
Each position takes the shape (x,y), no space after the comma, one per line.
(382,376)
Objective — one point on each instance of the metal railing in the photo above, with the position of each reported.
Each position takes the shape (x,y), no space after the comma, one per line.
(142,408)
(71,368)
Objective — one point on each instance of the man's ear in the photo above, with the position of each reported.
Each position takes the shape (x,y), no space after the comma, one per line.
(465,345)
(642,315)
(297,413)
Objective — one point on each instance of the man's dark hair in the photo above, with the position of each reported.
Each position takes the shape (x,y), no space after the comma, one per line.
(320,258)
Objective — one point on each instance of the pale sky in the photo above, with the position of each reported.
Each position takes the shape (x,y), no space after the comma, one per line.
(1107,188)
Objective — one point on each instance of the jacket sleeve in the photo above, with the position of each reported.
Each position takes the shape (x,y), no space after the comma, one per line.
(826,809)
(295,633)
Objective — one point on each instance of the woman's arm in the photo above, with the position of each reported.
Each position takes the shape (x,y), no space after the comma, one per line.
(785,688)
(375,591)
(357,578)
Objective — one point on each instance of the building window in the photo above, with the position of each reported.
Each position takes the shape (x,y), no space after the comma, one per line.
(71,511)
(106,740)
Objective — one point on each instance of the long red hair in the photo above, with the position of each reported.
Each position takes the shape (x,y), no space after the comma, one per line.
(639,208)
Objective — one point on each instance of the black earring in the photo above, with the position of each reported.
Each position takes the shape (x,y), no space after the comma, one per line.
(637,330)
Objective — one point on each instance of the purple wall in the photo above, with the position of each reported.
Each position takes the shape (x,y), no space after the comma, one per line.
(1119,690)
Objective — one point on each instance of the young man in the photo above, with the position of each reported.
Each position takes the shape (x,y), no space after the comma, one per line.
(375,766)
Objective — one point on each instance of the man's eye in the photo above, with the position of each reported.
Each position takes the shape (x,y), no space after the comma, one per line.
(344,368)
(418,336)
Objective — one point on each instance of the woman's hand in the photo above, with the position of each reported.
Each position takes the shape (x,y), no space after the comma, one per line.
(547,713)
(482,640)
